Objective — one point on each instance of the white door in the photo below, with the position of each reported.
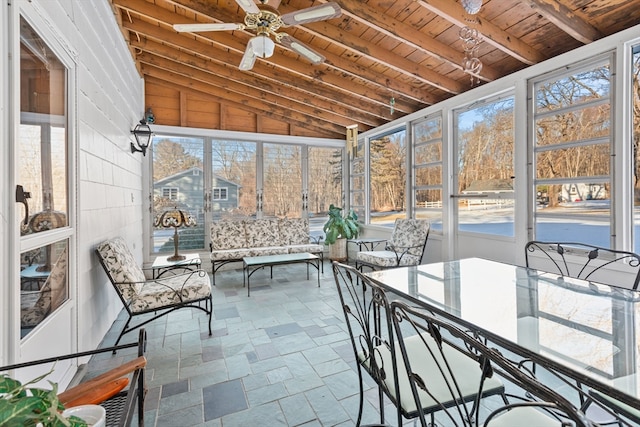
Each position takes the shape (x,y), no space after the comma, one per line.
(40,116)
(483,193)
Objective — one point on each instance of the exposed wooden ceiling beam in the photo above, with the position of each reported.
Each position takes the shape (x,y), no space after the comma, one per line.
(229,97)
(562,17)
(407,34)
(420,74)
(454,13)
(250,81)
(322,74)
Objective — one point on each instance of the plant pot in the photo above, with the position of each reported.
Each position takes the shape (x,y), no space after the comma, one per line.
(338,250)
(93,415)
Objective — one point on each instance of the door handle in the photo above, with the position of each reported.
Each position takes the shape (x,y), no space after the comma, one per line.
(21,197)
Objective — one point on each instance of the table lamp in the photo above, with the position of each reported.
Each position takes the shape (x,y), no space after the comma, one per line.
(175,218)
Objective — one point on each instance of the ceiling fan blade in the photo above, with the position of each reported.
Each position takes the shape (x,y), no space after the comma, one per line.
(248,6)
(248,59)
(301,49)
(192,28)
(312,14)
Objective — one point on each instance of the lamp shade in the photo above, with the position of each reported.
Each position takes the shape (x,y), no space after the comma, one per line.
(175,218)
(262,46)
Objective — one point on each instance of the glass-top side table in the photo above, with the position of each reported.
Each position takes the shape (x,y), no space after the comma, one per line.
(162,265)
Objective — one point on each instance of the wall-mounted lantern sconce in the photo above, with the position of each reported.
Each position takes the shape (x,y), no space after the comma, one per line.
(143,135)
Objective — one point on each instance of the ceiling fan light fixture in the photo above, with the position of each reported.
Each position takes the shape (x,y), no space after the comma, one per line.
(472,6)
(262,46)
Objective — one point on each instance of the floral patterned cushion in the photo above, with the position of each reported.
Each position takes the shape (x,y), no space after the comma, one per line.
(386,259)
(408,239)
(171,290)
(268,250)
(230,254)
(311,248)
(263,232)
(121,267)
(141,294)
(228,234)
(409,232)
(294,231)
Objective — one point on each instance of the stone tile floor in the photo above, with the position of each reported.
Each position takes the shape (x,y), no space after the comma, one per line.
(281,357)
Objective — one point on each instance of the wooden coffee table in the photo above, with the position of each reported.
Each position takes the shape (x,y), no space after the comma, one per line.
(254,263)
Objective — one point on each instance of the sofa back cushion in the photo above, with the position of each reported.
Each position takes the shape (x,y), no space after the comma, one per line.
(228,234)
(121,266)
(263,232)
(294,231)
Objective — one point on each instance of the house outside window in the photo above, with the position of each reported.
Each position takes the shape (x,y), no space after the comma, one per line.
(220,193)
(170,193)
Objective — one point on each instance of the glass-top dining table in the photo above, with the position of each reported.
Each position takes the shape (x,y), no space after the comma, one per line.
(585,331)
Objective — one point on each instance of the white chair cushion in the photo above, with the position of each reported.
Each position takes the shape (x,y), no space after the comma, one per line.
(524,417)
(467,373)
(311,248)
(228,234)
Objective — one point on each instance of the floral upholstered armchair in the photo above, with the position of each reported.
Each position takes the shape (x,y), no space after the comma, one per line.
(405,247)
(161,296)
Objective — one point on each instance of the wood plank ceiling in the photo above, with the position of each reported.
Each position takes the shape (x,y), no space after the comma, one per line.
(384,58)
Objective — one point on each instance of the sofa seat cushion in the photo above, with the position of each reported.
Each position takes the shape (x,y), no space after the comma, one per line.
(268,250)
(228,234)
(231,254)
(262,233)
(311,248)
(386,259)
(171,290)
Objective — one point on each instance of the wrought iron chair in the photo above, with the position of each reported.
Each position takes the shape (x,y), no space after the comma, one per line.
(366,311)
(159,296)
(584,261)
(405,247)
(450,370)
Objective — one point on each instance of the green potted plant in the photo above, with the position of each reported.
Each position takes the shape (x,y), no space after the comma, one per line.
(25,405)
(337,230)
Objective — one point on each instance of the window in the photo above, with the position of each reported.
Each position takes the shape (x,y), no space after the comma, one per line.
(178,182)
(219,193)
(357,180)
(572,154)
(282,181)
(636,146)
(427,171)
(170,193)
(234,165)
(324,184)
(388,177)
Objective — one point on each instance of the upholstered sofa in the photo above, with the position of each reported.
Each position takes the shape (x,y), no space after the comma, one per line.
(234,239)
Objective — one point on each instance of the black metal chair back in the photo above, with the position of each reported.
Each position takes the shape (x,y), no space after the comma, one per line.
(584,261)
(365,307)
(434,352)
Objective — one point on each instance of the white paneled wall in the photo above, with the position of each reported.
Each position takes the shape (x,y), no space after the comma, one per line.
(109,101)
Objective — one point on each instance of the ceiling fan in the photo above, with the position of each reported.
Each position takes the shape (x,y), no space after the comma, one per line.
(266,21)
